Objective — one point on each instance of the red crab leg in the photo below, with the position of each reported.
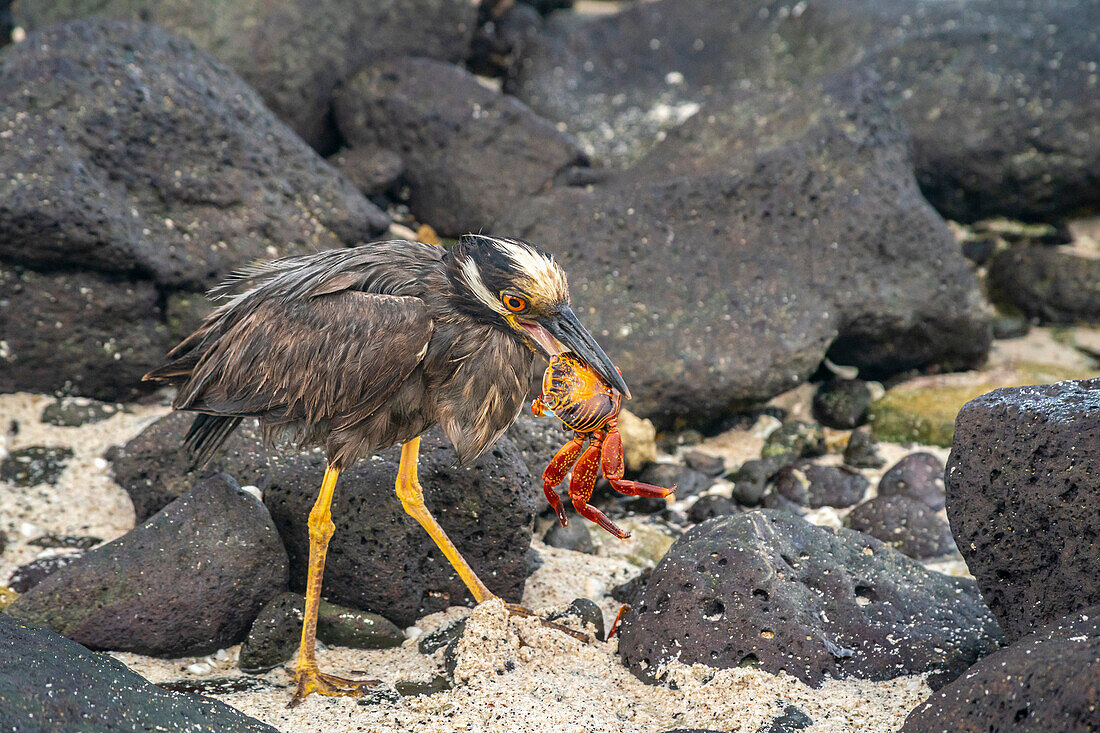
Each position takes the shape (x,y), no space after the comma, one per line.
(613,467)
(555,472)
(582,485)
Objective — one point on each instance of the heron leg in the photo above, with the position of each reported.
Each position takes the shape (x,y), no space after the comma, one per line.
(310,678)
(412,498)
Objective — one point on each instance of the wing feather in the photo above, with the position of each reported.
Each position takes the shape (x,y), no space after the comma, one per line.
(312,360)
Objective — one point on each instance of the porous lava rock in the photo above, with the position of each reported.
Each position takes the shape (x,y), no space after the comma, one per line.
(918,476)
(769,589)
(816,485)
(1046,284)
(1000,96)
(139,154)
(50,683)
(189,581)
(470,152)
(294,53)
(1023,484)
(1048,680)
(76,331)
(735,248)
(904,523)
(380,559)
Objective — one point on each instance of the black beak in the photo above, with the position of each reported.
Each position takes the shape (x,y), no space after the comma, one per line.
(566,328)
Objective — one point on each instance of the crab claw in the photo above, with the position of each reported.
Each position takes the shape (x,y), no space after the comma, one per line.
(611,458)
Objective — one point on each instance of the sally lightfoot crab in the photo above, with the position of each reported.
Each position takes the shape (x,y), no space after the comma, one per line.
(586,404)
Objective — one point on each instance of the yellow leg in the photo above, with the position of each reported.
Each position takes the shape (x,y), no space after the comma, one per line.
(310,678)
(412,498)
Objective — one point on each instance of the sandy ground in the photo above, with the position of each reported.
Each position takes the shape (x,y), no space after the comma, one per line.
(512,674)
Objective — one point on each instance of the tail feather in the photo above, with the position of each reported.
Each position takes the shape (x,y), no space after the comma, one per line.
(207,434)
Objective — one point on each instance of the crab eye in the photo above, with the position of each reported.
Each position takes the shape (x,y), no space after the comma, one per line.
(514,303)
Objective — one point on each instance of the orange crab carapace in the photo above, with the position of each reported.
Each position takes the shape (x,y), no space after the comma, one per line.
(589,407)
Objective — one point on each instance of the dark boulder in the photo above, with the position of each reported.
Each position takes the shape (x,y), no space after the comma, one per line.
(380,559)
(1022,492)
(80,332)
(470,152)
(151,158)
(719,230)
(918,476)
(769,588)
(1048,680)
(688,481)
(903,523)
(189,581)
(842,403)
(49,683)
(293,53)
(705,463)
(154,469)
(814,485)
(374,171)
(1000,96)
(751,480)
(1046,284)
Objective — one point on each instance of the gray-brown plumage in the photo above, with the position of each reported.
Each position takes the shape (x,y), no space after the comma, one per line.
(359,349)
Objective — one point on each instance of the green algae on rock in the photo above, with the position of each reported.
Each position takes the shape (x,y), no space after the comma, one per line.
(923,410)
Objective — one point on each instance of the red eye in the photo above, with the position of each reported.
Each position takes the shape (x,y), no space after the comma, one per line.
(514,303)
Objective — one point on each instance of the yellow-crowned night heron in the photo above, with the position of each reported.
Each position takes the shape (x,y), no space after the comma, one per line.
(363,348)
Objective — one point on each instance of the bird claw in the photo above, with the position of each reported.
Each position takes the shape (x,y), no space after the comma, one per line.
(314,681)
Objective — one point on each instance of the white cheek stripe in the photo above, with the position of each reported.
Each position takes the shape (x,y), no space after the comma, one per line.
(477,286)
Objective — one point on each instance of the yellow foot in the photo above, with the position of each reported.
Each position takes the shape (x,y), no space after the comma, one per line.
(517,610)
(313,680)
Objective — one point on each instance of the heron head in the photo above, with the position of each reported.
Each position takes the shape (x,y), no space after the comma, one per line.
(514,284)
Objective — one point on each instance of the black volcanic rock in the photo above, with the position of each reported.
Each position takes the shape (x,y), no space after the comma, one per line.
(842,403)
(470,153)
(48,683)
(999,95)
(151,158)
(769,588)
(903,523)
(918,476)
(1048,680)
(187,582)
(1046,284)
(1023,485)
(293,53)
(277,631)
(716,247)
(154,469)
(110,332)
(815,485)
